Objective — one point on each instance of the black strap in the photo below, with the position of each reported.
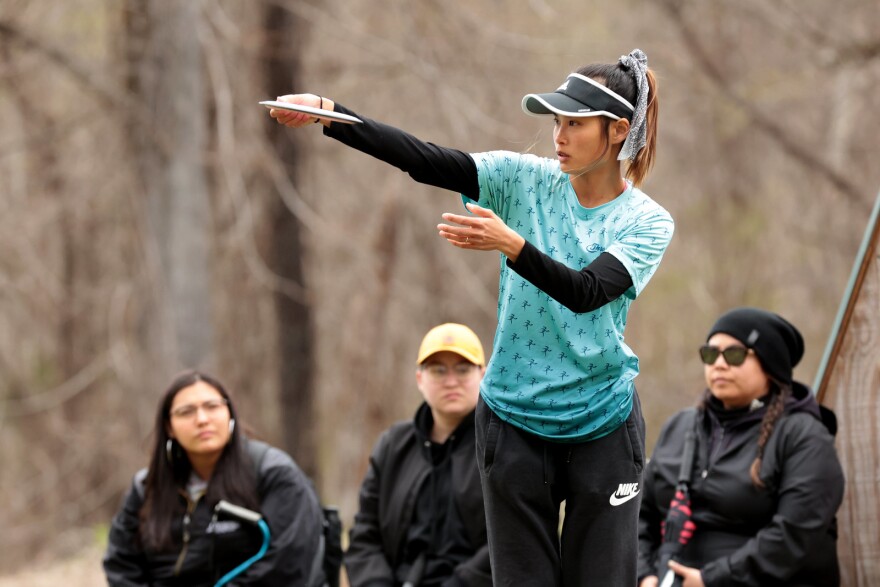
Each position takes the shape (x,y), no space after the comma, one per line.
(332,545)
(685,473)
(257,451)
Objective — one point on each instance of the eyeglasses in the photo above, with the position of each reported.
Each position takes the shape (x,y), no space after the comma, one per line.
(211,408)
(733,355)
(439,371)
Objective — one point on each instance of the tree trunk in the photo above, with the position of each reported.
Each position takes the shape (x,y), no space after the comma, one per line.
(165,77)
(295,328)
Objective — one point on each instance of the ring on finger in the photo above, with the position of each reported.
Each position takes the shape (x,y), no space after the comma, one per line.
(467,239)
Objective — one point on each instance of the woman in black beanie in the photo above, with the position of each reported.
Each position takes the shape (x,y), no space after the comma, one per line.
(765,482)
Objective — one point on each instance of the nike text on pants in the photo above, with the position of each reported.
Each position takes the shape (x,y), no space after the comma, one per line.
(525,478)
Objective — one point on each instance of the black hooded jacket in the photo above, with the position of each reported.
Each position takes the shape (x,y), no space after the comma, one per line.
(289,506)
(403,493)
(784,534)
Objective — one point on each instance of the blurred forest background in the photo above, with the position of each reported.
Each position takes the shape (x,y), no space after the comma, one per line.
(153,217)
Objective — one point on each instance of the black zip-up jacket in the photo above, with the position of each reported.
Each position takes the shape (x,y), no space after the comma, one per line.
(400,469)
(784,534)
(289,506)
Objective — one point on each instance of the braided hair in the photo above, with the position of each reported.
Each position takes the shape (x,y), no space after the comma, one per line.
(780,393)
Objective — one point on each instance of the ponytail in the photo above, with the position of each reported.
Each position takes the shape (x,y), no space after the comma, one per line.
(637,170)
(630,78)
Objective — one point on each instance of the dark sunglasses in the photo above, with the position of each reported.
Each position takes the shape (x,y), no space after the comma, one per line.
(733,355)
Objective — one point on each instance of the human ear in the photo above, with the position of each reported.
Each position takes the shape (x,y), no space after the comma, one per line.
(619,130)
(420,383)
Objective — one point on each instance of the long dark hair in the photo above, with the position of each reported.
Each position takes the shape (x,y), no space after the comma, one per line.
(233,479)
(620,81)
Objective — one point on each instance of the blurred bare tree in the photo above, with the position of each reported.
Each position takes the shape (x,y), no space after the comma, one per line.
(163,65)
(283,32)
(154,218)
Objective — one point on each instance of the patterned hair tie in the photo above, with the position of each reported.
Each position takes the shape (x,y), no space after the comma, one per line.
(637,64)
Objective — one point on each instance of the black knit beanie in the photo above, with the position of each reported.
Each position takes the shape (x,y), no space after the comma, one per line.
(777,343)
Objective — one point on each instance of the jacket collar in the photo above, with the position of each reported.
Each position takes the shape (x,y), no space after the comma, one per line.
(424,423)
(801,400)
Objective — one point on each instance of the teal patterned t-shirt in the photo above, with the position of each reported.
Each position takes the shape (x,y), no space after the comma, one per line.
(555,373)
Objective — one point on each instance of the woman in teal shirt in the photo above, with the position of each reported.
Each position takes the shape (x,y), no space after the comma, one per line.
(559,417)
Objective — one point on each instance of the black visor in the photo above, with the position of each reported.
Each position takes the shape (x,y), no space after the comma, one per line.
(579,96)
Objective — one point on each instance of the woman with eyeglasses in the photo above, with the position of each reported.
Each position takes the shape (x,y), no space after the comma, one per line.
(765,482)
(166,532)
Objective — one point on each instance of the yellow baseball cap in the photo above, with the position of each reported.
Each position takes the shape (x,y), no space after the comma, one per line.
(455,338)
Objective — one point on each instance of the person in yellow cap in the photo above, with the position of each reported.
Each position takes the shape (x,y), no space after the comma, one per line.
(421,519)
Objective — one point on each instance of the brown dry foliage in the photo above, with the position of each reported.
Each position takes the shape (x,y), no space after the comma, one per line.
(762,160)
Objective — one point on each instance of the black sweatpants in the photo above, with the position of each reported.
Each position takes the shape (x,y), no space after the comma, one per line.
(525,478)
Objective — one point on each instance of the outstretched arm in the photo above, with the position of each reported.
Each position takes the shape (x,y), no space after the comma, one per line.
(425,162)
(581,290)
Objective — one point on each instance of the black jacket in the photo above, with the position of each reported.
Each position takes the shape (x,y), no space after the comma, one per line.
(289,506)
(400,466)
(782,535)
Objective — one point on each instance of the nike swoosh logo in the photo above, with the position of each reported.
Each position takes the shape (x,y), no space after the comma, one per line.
(614,500)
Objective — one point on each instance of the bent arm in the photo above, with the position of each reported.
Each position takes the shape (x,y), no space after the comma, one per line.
(584,290)
(602,281)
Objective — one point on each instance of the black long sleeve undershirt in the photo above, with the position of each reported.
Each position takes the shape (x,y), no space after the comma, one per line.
(584,290)
(426,163)
(600,282)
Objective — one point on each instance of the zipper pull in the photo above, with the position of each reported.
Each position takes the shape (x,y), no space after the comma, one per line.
(186,522)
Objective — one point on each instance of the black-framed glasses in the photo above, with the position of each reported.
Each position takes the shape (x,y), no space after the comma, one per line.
(211,408)
(439,371)
(733,355)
